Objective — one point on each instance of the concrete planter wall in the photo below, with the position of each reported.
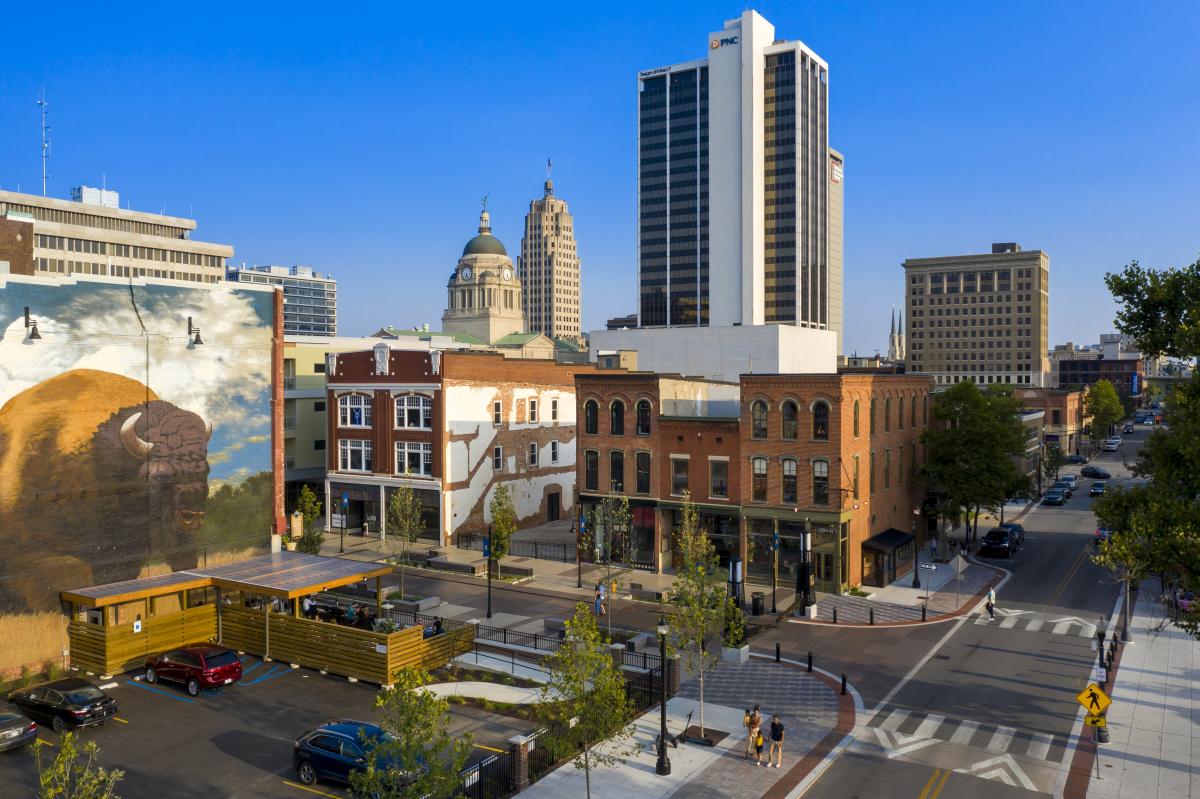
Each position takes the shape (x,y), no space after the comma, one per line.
(735,654)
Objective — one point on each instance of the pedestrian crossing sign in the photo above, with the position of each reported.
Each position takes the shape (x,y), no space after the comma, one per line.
(1095,721)
(1093,699)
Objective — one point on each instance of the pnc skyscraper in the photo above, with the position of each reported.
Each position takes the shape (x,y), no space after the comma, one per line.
(739,192)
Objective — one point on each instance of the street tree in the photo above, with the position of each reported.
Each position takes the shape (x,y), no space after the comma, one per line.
(698,596)
(1104,406)
(609,530)
(309,508)
(404,524)
(584,703)
(419,757)
(504,523)
(1161,310)
(1052,463)
(74,772)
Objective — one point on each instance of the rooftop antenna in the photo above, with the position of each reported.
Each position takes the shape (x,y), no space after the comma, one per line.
(45,106)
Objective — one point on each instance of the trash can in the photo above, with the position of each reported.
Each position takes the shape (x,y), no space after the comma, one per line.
(758,603)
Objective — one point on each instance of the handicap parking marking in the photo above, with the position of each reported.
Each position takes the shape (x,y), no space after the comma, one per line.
(310,790)
(252,668)
(277,670)
(159,691)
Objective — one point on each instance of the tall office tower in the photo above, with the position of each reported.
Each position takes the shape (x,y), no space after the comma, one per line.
(309,297)
(549,269)
(91,234)
(739,193)
(979,317)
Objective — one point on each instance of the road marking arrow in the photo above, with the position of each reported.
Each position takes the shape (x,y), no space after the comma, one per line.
(1002,768)
(896,748)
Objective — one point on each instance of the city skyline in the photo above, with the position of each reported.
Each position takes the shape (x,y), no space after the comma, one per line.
(331,160)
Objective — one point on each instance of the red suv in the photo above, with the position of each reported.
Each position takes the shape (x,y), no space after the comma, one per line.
(196,666)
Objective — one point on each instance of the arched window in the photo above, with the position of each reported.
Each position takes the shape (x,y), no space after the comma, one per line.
(642,464)
(758,419)
(820,480)
(758,483)
(820,420)
(643,417)
(887,415)
(887,468)
(591,470)
(871,475)
(591,410)
(912,412)
(616,418)
(354,410)
(856,418)
(900,414)
(855,476)
(789,481)
(616,476)
(900,467)
(790,419)
(872,416)
(414,411)
(925,410)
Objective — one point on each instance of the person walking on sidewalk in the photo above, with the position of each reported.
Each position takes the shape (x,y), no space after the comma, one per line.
(991,604)
(599,602)
(753,722)
(775,756)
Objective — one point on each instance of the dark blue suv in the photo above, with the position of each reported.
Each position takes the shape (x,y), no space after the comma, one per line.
(332,750)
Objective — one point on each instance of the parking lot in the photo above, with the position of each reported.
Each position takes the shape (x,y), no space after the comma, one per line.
(236,741)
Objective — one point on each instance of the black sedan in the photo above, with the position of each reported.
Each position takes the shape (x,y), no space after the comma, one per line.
(1054,497)
(16,730)
(66,704)
(999,541)
(1075,459)
(1016,529)
(1095,472)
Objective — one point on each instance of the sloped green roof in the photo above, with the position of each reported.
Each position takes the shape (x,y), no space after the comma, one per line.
(515,339)
(567,344)
(461,338)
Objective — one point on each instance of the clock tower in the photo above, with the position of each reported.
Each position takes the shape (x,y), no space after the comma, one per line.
(483,296)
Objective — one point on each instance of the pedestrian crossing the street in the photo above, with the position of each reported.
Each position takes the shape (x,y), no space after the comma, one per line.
(901,732)
(1032,621)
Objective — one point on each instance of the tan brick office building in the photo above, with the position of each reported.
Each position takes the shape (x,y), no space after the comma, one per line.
(770,454)
(979,317)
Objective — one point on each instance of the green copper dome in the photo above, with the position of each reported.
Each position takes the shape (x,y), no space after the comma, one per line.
(484,244)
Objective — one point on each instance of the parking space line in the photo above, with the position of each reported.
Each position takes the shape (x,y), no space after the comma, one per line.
(310,790)
(276,671)
(118,718)
(47,741)
(252,668)
(153,690)
(491,748)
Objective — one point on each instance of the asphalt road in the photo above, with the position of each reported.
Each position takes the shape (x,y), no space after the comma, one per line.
(994,704)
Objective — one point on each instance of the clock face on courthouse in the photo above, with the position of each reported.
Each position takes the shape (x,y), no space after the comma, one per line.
(507,273)
(465,273)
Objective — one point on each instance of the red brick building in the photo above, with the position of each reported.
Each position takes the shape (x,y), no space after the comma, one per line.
(451,426)
(834,454)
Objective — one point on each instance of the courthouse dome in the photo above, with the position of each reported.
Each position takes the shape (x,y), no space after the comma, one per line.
(485,243)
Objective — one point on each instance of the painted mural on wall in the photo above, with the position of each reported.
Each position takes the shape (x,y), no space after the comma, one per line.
(126,449)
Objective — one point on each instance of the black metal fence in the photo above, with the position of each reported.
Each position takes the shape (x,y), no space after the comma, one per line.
(644,690)
(561,551)
(551,643)
(489,779)
(540,760)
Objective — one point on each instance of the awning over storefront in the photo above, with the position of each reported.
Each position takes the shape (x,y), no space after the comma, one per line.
(888,541)
(282,574)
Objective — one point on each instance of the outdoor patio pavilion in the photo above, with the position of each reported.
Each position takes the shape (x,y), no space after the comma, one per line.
(251,606)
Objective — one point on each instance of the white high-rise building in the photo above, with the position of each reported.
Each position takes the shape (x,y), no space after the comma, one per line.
(309,297)
(739,192)
(549,268)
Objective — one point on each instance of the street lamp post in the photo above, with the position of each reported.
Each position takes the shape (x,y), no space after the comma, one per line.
(803,574)
(916,583)
(663,767)
(345,513)
(579,552)
(487,553)
(774,568)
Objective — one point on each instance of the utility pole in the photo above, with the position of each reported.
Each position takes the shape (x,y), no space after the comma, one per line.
(45,107)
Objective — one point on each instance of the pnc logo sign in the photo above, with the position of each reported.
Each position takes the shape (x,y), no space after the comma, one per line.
(715,43)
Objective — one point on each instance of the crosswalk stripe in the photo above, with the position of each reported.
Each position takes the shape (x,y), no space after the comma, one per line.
(964,732)
(1001,739)
(1034,625)
(981,619)
(1039,747)
(1010,622)
(929,726)
(1087,631)
(894,720)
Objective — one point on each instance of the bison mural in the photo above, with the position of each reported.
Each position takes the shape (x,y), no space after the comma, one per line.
(98,479)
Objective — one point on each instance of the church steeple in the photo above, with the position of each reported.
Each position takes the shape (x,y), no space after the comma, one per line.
(892,332)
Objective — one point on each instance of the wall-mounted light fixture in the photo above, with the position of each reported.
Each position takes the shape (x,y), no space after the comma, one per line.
(193,334)
(31,326)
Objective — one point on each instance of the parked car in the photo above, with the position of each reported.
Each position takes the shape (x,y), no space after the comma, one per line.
(999,541)
(1110,446)
(1075,459)
(1095,472)
(332,750)
(1016,528)
(66,704)
(1128,428)
(1070,478)
(1097,488)
(16,730)
(1054,497)
(195,667)
(1065,487)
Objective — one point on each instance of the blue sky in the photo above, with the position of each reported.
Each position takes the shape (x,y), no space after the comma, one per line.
(360,139)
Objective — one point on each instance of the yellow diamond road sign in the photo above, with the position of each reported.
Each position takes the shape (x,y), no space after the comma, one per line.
(1093,699)
(1095,721)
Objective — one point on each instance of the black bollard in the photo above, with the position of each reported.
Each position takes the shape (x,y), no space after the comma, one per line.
(924,610)
(872,612)
(835,615)
(776,651)
(810,661)
(843,683)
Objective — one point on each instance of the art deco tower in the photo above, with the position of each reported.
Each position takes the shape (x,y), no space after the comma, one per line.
(549,269)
